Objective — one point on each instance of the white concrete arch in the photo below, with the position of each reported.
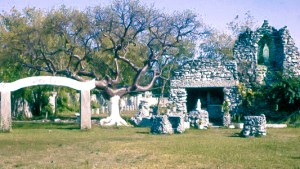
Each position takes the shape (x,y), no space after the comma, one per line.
(47,80)
(84,87)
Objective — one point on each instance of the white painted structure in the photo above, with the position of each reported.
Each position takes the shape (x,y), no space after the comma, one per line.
(114,118)
(84,87)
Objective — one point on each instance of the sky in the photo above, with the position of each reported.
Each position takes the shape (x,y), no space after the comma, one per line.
(216,13)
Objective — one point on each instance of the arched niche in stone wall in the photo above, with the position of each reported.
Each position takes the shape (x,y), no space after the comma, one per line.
(264,51)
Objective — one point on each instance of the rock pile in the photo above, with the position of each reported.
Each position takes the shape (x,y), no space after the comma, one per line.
(143,116)
(167,124)
(161,125)
(199,119)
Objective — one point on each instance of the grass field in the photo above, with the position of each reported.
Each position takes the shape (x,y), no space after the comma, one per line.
(65,146)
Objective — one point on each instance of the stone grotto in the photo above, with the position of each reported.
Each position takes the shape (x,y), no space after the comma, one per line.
(257,55)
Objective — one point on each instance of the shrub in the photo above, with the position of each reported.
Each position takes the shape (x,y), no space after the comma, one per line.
(277,100)
(284,94)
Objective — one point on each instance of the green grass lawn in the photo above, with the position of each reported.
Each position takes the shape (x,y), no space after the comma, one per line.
(65,146)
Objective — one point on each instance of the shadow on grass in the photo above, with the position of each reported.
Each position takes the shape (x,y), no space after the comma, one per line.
(236,135)
(143,132)
(34,125)
(296,158)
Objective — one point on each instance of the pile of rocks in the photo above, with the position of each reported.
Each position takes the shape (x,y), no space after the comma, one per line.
(167,124)
(254,126)
(161,125)
(291,61)
(199,119)
(143,116)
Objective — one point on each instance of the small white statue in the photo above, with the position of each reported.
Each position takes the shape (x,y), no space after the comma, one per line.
(144,109)
(266,54)
(198,108)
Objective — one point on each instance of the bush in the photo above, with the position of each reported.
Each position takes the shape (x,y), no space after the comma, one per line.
(64,103)
(252,100)
(277,100)
(284,94)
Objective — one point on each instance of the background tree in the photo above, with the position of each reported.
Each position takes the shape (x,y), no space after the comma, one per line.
(126,47)
(219,44)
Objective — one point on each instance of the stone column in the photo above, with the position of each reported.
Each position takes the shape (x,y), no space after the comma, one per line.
(85,109)
(5,114)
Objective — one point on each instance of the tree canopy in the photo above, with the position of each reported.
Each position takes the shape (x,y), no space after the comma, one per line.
(126,46)
(219,44)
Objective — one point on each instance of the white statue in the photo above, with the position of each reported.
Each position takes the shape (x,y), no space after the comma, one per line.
(198,108)
(144,109)
(266,54)
(143,113)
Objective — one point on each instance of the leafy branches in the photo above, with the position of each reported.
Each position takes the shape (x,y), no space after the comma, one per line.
(118,45)
(285,94)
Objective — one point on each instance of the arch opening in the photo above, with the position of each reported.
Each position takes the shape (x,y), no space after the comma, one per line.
(264,52)
(85,100)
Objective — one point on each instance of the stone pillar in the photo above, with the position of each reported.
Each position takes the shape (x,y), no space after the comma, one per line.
(85,109)
(5,114)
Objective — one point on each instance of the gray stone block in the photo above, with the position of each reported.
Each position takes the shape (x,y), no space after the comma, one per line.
(254,126)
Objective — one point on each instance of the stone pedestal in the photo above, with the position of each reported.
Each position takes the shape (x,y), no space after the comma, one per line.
(254,126)
(199,119)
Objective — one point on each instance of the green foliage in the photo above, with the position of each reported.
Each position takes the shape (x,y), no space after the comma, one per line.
(226,106)
(126,46)
(94,105)
(284,94)
(294,119)
(277,101)
(38,99)
(250,97)
(28,143)
(65,103)
(218,45)
(237,118)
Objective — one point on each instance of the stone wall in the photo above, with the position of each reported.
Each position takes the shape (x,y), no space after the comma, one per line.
(291,59)
(232,94)
(205,73)
(178,96)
